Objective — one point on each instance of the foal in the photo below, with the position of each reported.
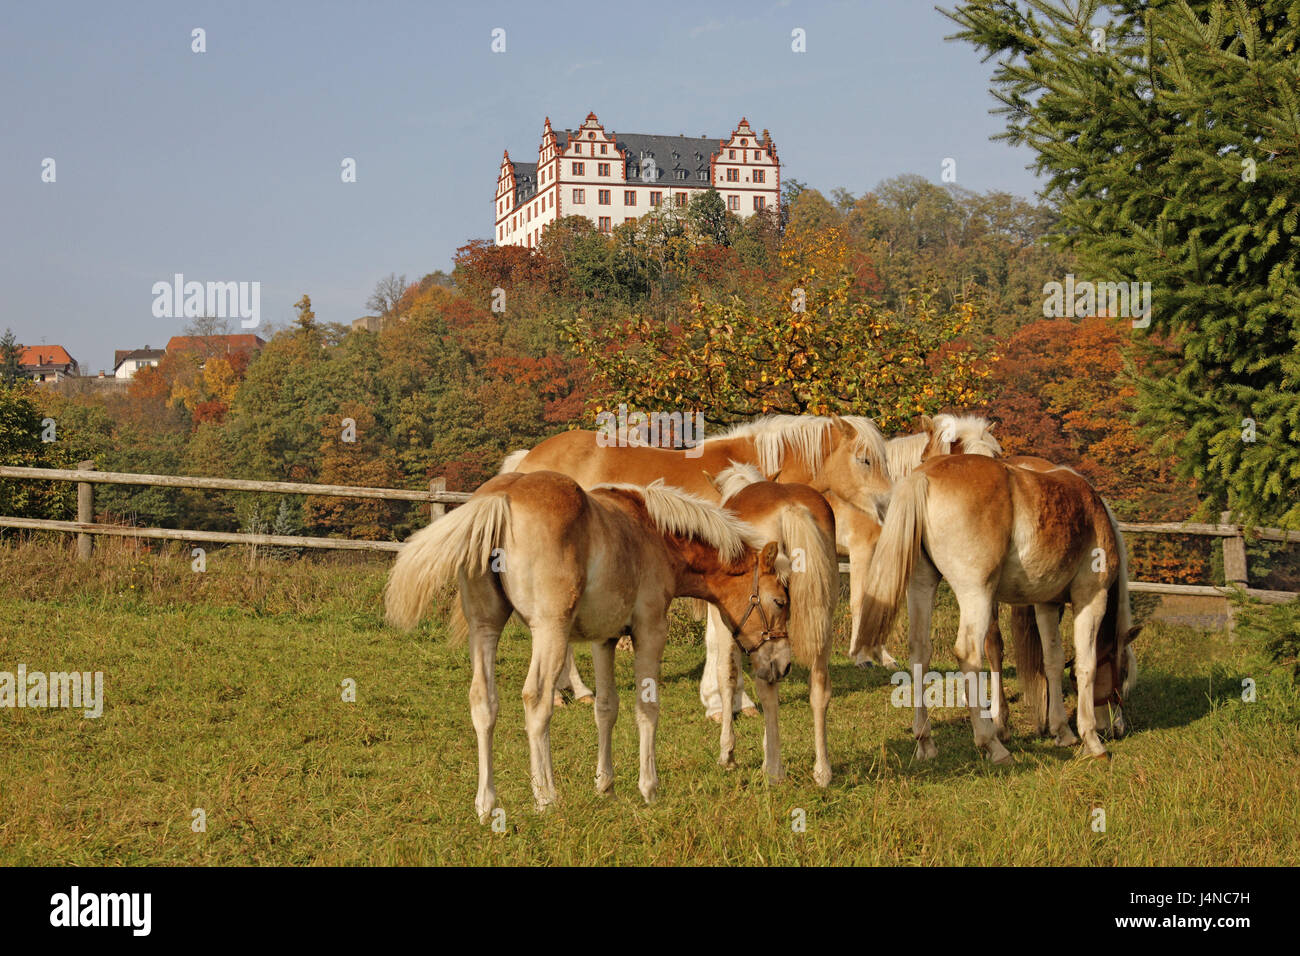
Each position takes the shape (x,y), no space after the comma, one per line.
(588,566)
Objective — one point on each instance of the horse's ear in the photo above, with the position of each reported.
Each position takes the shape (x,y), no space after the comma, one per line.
(927,424)
(847,430)
(711,478)
(767,558)
(775,475)
(1132,634)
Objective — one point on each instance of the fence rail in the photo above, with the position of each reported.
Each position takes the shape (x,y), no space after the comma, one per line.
(438,498)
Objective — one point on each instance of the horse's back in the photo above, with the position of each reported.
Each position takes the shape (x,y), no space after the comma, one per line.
(581,455)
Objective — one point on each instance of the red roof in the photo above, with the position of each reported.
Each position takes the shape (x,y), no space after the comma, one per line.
(44,355)
(214,343)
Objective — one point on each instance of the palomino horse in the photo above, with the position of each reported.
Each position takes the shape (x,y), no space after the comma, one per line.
(842,458)
(858,531)
(588,566)
(1117,665)
(802,524)
(998,532)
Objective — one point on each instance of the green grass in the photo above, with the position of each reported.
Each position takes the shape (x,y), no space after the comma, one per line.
(224,693)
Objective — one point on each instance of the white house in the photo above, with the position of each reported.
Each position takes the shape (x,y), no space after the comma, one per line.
(613,177)
(129,361)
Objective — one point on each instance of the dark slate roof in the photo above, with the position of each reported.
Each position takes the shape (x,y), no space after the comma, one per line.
(525,181)
(692,156)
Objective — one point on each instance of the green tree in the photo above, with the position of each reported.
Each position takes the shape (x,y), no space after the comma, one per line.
(10,355)
(1169,134)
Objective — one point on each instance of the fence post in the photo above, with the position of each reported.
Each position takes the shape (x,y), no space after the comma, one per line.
(1234,555)
(85,512)
(437,509)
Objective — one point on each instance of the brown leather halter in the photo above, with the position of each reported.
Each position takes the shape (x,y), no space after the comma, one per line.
(755,601)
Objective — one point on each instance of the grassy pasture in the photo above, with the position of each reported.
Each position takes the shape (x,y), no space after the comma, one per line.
(224,693)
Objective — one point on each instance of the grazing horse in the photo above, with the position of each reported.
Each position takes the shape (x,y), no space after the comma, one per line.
(842,458)
(1117,665)
(998,532)
(803,525)
(588,566)
(943,434)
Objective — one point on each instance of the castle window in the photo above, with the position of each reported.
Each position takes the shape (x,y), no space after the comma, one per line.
(760,202)
(629,197)
(733,175)
(602,169)
(603,224)
(731,154)
(602,197)
(579,196)
(760,175)
(604,148)
(680,199)
(633,170)
(656,198)
(733,202)
(578,168)
(681,173)
(577,149)
(744,142)
(758,154)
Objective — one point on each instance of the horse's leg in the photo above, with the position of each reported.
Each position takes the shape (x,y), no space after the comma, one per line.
(819,696)
(725,667)
(767,696)
(602,655)
(993,647)
(649,639)
(549,641)
(920,605)
(1049,630)
(710,695)
(486,613)
(976,612)
(581,692)
(1087,622)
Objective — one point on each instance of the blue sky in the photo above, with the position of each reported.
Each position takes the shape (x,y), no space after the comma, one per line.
(225,165)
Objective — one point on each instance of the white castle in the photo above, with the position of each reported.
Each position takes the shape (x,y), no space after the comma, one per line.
(611,178)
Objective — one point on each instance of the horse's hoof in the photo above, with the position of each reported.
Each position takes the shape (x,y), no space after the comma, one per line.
(1002,759)
(585,699)
(822,777)
(560,701)
(716,717)
(750,711)
(1066,738)
(727,763)
(1104,756)
(926,749)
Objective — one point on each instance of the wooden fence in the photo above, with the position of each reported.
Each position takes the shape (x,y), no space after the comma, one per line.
(438,498)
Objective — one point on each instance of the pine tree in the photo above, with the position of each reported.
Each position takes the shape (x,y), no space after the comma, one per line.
(1169,133)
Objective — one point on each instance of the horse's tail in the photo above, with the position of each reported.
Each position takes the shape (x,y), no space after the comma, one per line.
(1029,663)
(814,584)
(891,565)
(513,460)
(462,540)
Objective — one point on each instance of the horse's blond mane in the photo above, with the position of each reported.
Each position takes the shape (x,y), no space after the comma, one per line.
(804,436)
(905,453)
(678,512)
(738,475)
(974,432)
